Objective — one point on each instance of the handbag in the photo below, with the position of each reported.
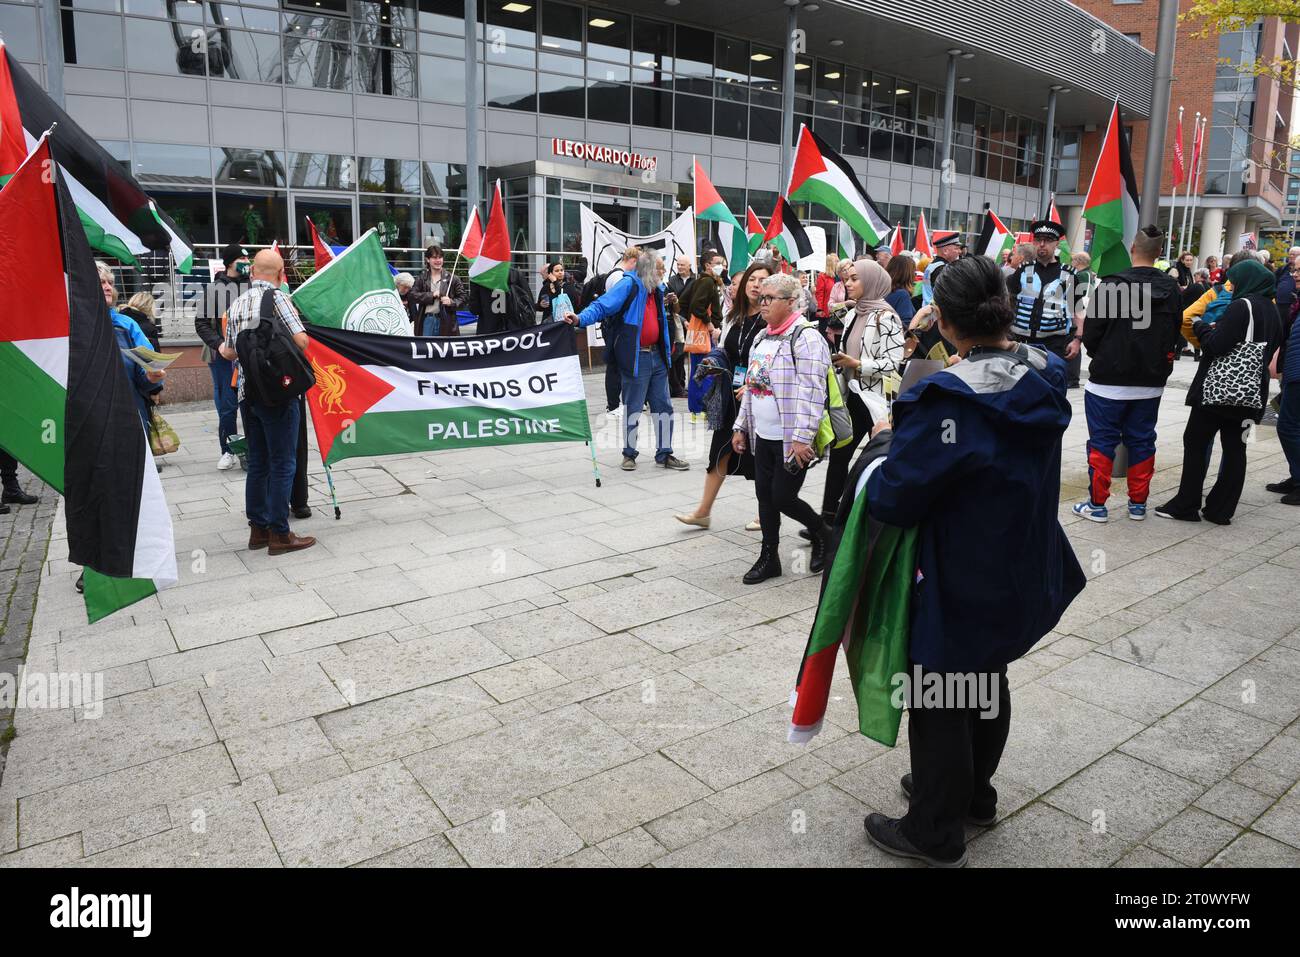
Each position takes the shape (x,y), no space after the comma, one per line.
(699,337)
(163,439)
(1233,379)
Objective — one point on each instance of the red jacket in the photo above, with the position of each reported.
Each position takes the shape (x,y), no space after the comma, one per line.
(822,292)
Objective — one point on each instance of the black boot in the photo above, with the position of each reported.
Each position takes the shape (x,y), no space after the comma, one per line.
(14,495)
(767,566)
(817,560)
(4,509)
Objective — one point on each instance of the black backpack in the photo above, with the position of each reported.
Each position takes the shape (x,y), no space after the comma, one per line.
(593,289)
(275,370)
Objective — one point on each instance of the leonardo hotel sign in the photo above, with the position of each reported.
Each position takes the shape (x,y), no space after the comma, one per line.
(603,154)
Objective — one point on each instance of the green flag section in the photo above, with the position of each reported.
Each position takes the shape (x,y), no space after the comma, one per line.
(754,230)
(864,607)
(67,410)
(1112,203)
(821,175)
(354,290)
(117,215)
(491,268)
(709,206)
(845,242)
(383,395)
(994,237)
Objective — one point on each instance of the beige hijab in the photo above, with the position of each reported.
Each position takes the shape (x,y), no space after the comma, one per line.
(875,287)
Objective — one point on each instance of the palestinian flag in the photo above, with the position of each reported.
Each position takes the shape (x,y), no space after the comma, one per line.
(754,230)
(896,246)
(322,253)
(864,609)
(67,409)
(491,268)
(994,237)
(119,218)
(1112,203)
(923,245)
(846,243)
(383,395)
(1063,248)
(471,240)
(786,232)
(710,207)
(354,290)
(821,175)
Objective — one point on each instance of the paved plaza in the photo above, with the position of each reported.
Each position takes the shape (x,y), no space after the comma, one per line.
(491,661)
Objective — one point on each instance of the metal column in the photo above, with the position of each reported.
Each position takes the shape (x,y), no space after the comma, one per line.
(1166,37)
(787,93)
(52,34)
(948,167)
(1049,146)
(471,106)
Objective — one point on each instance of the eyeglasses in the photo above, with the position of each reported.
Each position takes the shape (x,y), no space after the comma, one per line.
(768,300)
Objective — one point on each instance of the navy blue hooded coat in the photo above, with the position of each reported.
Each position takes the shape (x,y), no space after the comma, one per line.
(975,464)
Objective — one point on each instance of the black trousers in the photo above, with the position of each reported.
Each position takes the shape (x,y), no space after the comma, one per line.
(954,754)
(677,376)
(613,382)
(1204,423)
(778,493)
(839,460)
(8,469)
(298,497)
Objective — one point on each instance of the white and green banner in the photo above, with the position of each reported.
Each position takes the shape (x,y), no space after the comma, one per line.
(354,290)
(381,395)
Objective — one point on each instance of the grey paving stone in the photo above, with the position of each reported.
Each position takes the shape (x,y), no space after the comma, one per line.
(687,825)
(640,604)
(304,774)
(613,801)
(598,655)
(1268,687)
(281,746)
(518,679)
(752,678)
(1256,850)
(1282,820)
(56,853)
(632,848)
(1234,802)
(258,703)
(1142,856)
(587,857)
(523,835)
(662,710)
(334,630)
(749,797)
(682,631)
(1042,836)
(1120,686)
(120,646)
(210,658)
(401,714)
(1195,651)
(738,751)
(351,819)
(537,632)
(1130,797)
(433,851)
(133,827)
(1201,741)
(425,661)
(474,776)
(1275,767)
(372,593)
(1193,837)
(247,618)
(235,839)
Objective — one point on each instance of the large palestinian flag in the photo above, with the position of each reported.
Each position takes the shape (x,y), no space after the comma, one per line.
(491,267)
(119,218)
(67,408)
(821,175)
(709,206)
(786,233)
(994,237)
(354,290)
(1112,203)
(381,395)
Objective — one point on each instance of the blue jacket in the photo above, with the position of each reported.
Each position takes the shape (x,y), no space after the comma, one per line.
(1291,354)
(1286,292)
(624,308)
(975,465)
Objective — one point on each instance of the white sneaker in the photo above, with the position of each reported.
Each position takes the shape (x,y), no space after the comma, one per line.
(615,413)
(227,461)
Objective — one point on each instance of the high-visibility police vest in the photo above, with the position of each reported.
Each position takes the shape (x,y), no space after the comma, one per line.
(1044,302)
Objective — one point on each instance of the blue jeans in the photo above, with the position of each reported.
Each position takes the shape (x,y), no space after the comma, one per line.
(225,398)
(650,382)
(1288,427)
(272,433)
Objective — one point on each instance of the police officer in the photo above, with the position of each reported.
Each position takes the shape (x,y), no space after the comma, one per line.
(947,249)
(1043,291)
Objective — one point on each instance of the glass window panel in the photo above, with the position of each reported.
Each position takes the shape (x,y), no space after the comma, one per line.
(882,93)
(558,63)
(331,216)
(170,163)
(925,154)
(376,175)
(694,114)
(561,95)
(830,81)
(120,151)
(610,72)
(155,46)
(512,89)
(18,25)
(554,224)
(388,23)
(386,72)
(499,55)
(442,16)
(803,76)
(831,130)
(882,141)
(322,171)
(856,88)
(252,218)
(737,91)
(190,210)
(765,98)
(731,119)
(442,79)
(247,167)
(318,64)
(731,60)
(764,125)
(765,68)
(249,56)
(512,22)
(561,27)
(856,139)
(694,60)
(247,18)
(113,6)
(447,46)
(609,35)
(92,39)
(609,102)
(905,100)
(179,12)
(395,219)
(652,107)
(652,44)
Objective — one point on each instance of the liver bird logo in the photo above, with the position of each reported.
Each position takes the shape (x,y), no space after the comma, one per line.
(332,385)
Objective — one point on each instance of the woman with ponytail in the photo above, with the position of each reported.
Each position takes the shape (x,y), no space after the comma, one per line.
(973,462)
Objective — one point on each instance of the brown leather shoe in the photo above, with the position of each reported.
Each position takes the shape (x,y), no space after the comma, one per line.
(258,537)
(282,542)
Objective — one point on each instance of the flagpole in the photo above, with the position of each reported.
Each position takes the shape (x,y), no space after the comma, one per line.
(333,497)
(1173,208)
(1182,233)
(1200,159)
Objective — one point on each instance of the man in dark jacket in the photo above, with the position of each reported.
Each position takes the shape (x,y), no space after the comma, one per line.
(1132,334)
(439,294)
(217,297)
(499,310)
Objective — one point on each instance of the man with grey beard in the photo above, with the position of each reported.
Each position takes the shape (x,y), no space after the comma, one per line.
(639,339)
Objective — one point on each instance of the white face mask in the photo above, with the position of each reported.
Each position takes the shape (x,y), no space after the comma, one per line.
(716,270)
